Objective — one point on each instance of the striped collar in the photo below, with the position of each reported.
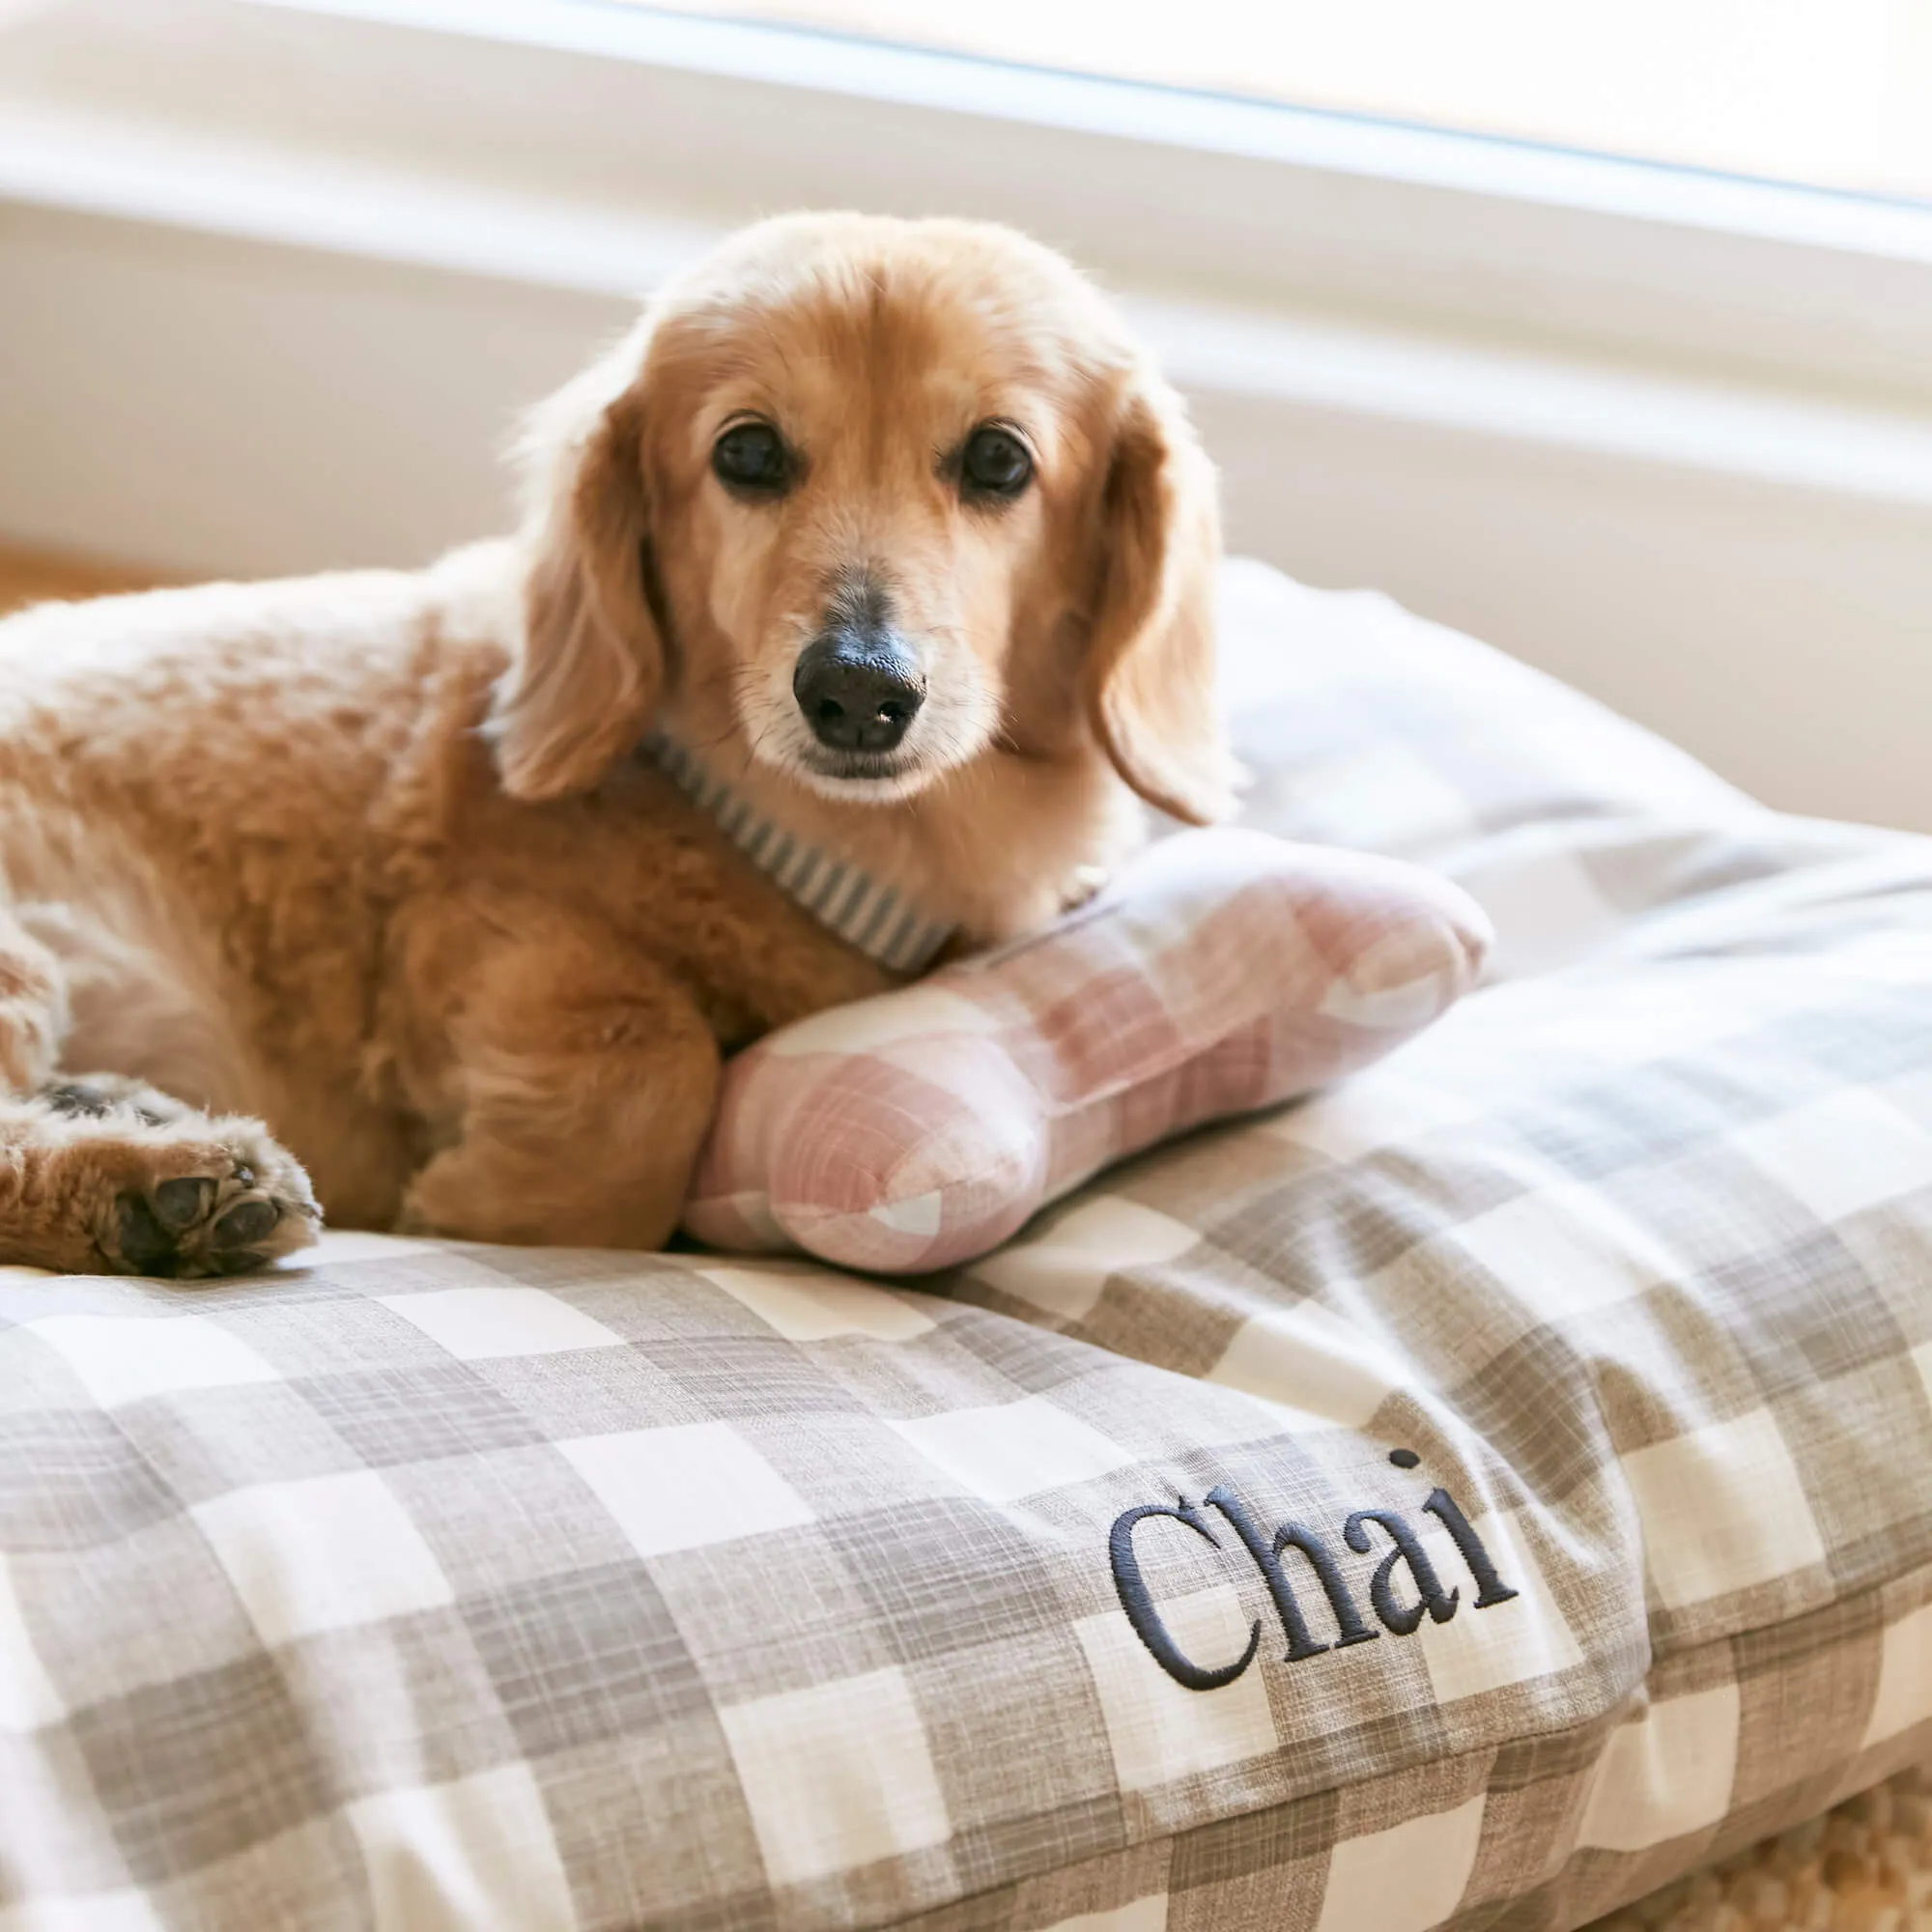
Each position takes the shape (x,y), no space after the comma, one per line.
(859,910)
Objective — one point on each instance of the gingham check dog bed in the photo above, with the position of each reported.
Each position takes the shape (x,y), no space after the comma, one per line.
(1469,1499)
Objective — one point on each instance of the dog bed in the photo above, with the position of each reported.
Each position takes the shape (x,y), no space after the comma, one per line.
(1477,1495)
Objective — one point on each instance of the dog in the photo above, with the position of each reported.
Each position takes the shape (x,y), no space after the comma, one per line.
(863,593)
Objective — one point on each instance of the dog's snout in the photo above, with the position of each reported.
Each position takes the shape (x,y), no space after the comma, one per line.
(859,693)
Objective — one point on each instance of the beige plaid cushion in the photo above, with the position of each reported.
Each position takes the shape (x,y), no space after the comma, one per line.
(453,1589)
(1224,971)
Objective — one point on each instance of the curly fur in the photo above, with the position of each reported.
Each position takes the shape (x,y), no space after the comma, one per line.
(364,856)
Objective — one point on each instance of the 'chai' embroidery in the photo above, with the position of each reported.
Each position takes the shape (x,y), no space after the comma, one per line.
(1404,1589)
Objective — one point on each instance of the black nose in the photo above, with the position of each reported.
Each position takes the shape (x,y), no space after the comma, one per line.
(859,691)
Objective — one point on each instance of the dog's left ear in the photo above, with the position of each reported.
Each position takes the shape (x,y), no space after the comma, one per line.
(584,682)
(1151,695)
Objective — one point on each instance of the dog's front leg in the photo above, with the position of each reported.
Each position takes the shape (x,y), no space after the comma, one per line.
(583,1076)
(101,1173)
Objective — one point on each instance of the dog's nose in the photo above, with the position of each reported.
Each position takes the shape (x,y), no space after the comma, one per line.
(857,693)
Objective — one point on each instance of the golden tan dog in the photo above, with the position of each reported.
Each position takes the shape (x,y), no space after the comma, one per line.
(888,527)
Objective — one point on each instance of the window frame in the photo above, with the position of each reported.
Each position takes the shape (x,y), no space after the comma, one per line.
(1167,189)
(639,132)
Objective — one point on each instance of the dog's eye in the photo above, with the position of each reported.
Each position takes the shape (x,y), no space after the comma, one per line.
(994,463)
(752,456)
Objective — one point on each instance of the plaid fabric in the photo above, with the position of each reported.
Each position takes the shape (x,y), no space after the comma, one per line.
(1466,1499)
(1368,727)
(1222,972)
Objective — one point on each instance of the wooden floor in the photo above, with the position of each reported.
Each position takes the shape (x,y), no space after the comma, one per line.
(28,576)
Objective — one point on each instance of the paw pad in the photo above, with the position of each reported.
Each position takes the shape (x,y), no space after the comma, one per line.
(181,1203)
(251,1221)
(198,1225)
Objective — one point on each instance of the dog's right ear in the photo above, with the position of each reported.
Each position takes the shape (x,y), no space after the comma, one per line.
(585,679)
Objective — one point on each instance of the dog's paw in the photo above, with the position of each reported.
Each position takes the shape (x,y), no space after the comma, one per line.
(226,1205)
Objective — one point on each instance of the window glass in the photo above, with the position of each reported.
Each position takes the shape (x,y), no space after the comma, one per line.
(1833,93)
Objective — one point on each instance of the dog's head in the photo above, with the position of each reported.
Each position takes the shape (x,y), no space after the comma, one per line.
(871,500)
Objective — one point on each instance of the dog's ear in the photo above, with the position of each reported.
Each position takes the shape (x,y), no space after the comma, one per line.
(585,679)
(1151,695)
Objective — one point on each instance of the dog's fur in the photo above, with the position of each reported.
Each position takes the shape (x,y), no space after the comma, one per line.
(368,857)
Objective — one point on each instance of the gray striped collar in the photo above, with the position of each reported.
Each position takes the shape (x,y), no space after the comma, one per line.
(861,911)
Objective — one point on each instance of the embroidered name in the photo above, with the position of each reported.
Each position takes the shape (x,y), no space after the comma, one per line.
(1319,1570)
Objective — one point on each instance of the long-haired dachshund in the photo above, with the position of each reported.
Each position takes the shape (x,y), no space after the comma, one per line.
(860,588)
